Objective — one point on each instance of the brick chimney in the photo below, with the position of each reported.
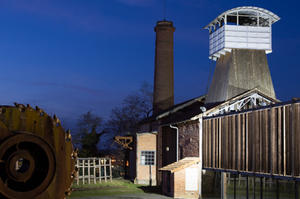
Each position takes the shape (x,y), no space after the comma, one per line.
(164,67)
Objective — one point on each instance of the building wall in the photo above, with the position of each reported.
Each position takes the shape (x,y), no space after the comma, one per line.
(179,185)
(145,142)
(166,138)
(189,139)
(159,156)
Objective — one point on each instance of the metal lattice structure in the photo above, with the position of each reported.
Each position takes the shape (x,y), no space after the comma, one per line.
(93,170)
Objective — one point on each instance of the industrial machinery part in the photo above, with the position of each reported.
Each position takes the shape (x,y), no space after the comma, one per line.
(37,160)
(124,141)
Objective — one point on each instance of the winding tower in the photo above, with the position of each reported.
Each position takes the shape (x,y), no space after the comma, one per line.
(239,41)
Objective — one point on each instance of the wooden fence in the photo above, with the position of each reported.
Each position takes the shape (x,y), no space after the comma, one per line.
(263,141)
(93,170)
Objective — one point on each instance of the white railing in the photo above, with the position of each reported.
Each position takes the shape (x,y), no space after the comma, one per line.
(93,170)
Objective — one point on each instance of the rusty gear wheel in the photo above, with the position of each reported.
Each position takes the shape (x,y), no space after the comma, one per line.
(36,155)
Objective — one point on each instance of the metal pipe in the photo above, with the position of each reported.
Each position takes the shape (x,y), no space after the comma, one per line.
(177,138)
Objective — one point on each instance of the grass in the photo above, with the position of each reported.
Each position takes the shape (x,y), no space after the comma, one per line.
(116,187)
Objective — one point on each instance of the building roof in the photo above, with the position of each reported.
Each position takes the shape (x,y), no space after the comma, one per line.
(192,109)
(198,101)
(181,164)
(249,10)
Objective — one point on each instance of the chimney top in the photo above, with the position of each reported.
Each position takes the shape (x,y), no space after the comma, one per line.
(164,24)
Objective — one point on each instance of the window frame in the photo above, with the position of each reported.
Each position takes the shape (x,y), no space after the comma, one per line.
(147,159)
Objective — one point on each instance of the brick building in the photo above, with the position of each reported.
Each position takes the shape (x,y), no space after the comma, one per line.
(179,179)
(241,81)
(146,158)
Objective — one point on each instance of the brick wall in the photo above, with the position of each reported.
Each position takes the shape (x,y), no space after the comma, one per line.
(179,185)
(145,142)
(188,140)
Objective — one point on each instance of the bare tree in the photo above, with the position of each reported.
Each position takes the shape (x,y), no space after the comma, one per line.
(89,133)
(135,107)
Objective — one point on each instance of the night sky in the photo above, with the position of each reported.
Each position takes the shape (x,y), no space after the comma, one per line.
(69,57)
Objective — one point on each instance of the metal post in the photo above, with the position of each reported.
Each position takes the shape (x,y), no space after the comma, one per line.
(261,188)
(150,176)
(247,187)
(105,167)
(78,171)
(83,172)
(296,190)
(99,167)
(110,171)
(223,185)
(277,189)
(254,187)
(89,171)
(94,170)
(234,186)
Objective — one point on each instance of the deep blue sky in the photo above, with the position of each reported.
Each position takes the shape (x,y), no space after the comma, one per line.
(69,57)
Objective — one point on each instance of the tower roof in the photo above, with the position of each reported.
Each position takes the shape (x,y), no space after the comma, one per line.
(248,11)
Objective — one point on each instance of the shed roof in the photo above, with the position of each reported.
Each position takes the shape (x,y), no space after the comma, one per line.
(181,164)
(248,10)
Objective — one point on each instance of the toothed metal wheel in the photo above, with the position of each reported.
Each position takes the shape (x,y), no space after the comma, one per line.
(36,155)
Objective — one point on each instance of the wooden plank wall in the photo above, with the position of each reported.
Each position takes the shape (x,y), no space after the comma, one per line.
(264,141)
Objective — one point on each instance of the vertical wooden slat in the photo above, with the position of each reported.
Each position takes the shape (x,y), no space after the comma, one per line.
(105,173)
(251,138)
(296,129)
(238,138)
(273,141)
(100,172)
(279,140)
(247,141)
(233,142)
(257,141)
(220,142)
(83,172)
(94,170)
(261,126)
(284,139)
(110,170)
(216,143)
(265,139)
(288,140)
(243,152)
(229,141)
(292,140)
(213,140)
(209,143)
(225,135)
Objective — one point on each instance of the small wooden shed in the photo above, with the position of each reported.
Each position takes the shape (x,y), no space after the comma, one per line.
(181,179)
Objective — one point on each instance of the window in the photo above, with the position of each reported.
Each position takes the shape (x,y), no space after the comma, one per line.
(147,157)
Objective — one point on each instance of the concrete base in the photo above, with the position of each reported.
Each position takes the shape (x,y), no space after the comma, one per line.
(145,182)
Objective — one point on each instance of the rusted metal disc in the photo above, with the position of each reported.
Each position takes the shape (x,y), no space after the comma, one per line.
(36,169)
(37,160)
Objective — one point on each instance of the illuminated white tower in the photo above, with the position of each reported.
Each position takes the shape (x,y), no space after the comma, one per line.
(239,40)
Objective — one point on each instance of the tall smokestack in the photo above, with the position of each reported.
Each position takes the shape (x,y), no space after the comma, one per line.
(164,68)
